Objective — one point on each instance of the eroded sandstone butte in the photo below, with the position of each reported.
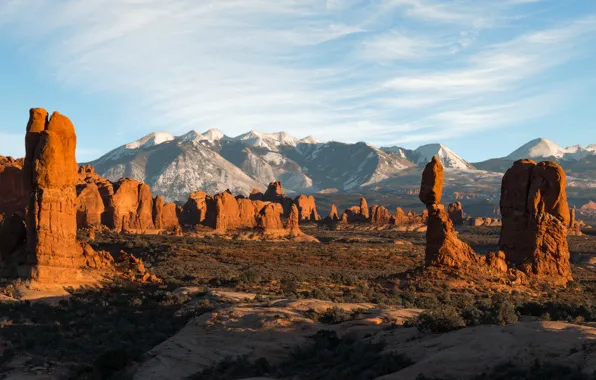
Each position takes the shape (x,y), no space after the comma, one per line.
(535,219)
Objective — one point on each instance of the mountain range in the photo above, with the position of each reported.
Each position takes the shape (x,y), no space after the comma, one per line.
(175,166)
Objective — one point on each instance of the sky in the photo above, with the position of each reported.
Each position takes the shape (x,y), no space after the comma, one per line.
(482,77)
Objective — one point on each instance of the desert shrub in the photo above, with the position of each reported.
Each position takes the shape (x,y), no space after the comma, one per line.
(440,320)
(325,357)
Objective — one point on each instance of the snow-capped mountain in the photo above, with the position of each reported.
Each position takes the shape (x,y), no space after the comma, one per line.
(545,148)
(211,161)
(448,158)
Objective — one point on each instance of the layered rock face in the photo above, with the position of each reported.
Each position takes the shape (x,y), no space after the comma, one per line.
(442,244)
(50,169)
(456,213)
(535,220)
(194,210)
(364,208)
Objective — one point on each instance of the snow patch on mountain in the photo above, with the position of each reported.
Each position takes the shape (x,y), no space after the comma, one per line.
(544,148)
(448,158)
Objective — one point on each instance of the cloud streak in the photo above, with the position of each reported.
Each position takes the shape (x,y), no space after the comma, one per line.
(406,70)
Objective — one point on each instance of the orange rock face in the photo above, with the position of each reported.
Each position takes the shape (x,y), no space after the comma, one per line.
(194,210)
(165,215)
(535,226)
(53,253)
(443,247)
(333,215)
(364,208)
(380,215)
(269,220)
(307,208)
(130,208)
(90,205)
(431,189)
(227,212)
(13,195)
(456,213)
(274,192)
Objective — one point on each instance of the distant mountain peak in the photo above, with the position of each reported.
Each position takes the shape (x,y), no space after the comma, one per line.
(542,148)
(151,139)
(448,158)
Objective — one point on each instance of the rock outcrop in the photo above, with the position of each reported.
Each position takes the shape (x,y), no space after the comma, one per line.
(364,208)
(380,215)
(130,207)
(13,194)
(307,208)
(442,244)
(165,215)
(194,211)
(50,174)
(456,213)
(274,192)
(90,205)
(535,220)
(333,215)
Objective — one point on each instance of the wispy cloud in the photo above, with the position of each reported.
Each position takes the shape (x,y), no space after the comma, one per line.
(403,70)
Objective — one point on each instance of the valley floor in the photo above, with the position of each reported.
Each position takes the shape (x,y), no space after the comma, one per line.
(358,305)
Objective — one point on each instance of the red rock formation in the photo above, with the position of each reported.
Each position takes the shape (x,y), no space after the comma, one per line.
(165,215)
(333,215)
(535,220)
(194,211)
(590,206)
(50,173)
(130,208)
(293,224)
(255,195)
(274,192)
(400,216)
(431,189)
(307,208)
(442,244)
(269,220)
(90,205)
(13,235)
(380,215)
(13,194)
(227,212)
(364,208)
(456,213)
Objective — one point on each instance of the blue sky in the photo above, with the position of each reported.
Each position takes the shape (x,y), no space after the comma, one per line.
(481,76)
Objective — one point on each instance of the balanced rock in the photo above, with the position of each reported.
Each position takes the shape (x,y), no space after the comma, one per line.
(443,247)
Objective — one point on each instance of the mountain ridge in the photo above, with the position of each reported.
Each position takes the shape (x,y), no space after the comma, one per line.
(211,161)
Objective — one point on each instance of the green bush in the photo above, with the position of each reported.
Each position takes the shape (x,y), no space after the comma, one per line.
(440,320)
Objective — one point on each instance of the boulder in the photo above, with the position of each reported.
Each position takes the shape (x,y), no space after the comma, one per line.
(274,192)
